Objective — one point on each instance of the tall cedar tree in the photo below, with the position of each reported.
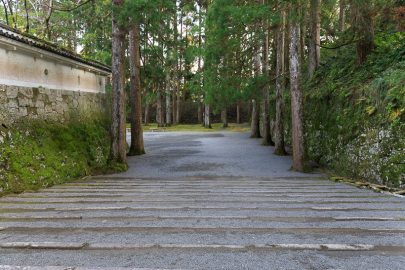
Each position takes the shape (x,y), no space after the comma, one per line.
(267,139)
(118,123)
(315,36)
(297,112)
(280,84)
(137,145)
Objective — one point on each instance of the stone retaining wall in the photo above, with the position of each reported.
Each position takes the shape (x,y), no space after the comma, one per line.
(43,103)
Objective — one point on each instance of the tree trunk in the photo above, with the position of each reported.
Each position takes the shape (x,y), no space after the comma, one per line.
(237,113)
(315,37)
(176,90)
(137,145)
(174,106)
(27,17)
(362,23)
(6,12)
(255,124)
(267,140)
(342,15)
(286,45)
(178,106)
(296,99)
(255,121)
(180,76)
(12,13)
(304,12)
(250,109)
(280,85)
(159,108)
(49,14)
(200,114)
(118,125)
(207,118)
(224,118)
(168,101)
(146,116)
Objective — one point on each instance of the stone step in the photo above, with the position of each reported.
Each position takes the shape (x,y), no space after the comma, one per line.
(375,225)
(192,192)
(195,179)
(286,195)
(188,258)
(13,267)
(202,229)
(199,188)
(204,184)
(205,212)
(246,238)
(74,218)
(279,206)
(157,184)
(315,207)
(81,200)
(268,247)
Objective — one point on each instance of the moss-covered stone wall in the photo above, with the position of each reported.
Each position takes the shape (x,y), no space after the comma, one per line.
(355,115)
(50,136)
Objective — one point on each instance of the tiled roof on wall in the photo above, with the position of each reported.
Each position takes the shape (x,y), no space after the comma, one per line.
(30,40)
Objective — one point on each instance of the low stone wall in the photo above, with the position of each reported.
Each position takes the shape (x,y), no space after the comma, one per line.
(43,103)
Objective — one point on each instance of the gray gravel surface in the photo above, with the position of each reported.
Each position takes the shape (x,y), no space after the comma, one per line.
(203,201)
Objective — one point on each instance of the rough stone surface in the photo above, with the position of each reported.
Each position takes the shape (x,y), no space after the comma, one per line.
(203,201)
(42,103)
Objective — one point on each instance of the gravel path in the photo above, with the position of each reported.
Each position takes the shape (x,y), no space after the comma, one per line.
(203,201)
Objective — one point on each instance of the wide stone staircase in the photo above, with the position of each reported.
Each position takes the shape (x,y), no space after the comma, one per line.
(202,223)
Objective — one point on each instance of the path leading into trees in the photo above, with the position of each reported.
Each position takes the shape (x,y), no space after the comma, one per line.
(203,201)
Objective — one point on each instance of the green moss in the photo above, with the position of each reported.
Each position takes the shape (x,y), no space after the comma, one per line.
(39,154)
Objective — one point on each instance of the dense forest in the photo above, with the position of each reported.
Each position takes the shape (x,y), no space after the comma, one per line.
(324,79)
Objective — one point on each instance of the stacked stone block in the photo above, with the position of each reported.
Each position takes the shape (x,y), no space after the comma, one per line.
(43,103)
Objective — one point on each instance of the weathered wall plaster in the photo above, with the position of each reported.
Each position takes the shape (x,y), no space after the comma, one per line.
(32,69)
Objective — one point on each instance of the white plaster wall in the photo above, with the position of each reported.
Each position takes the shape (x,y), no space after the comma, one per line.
(22,67)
